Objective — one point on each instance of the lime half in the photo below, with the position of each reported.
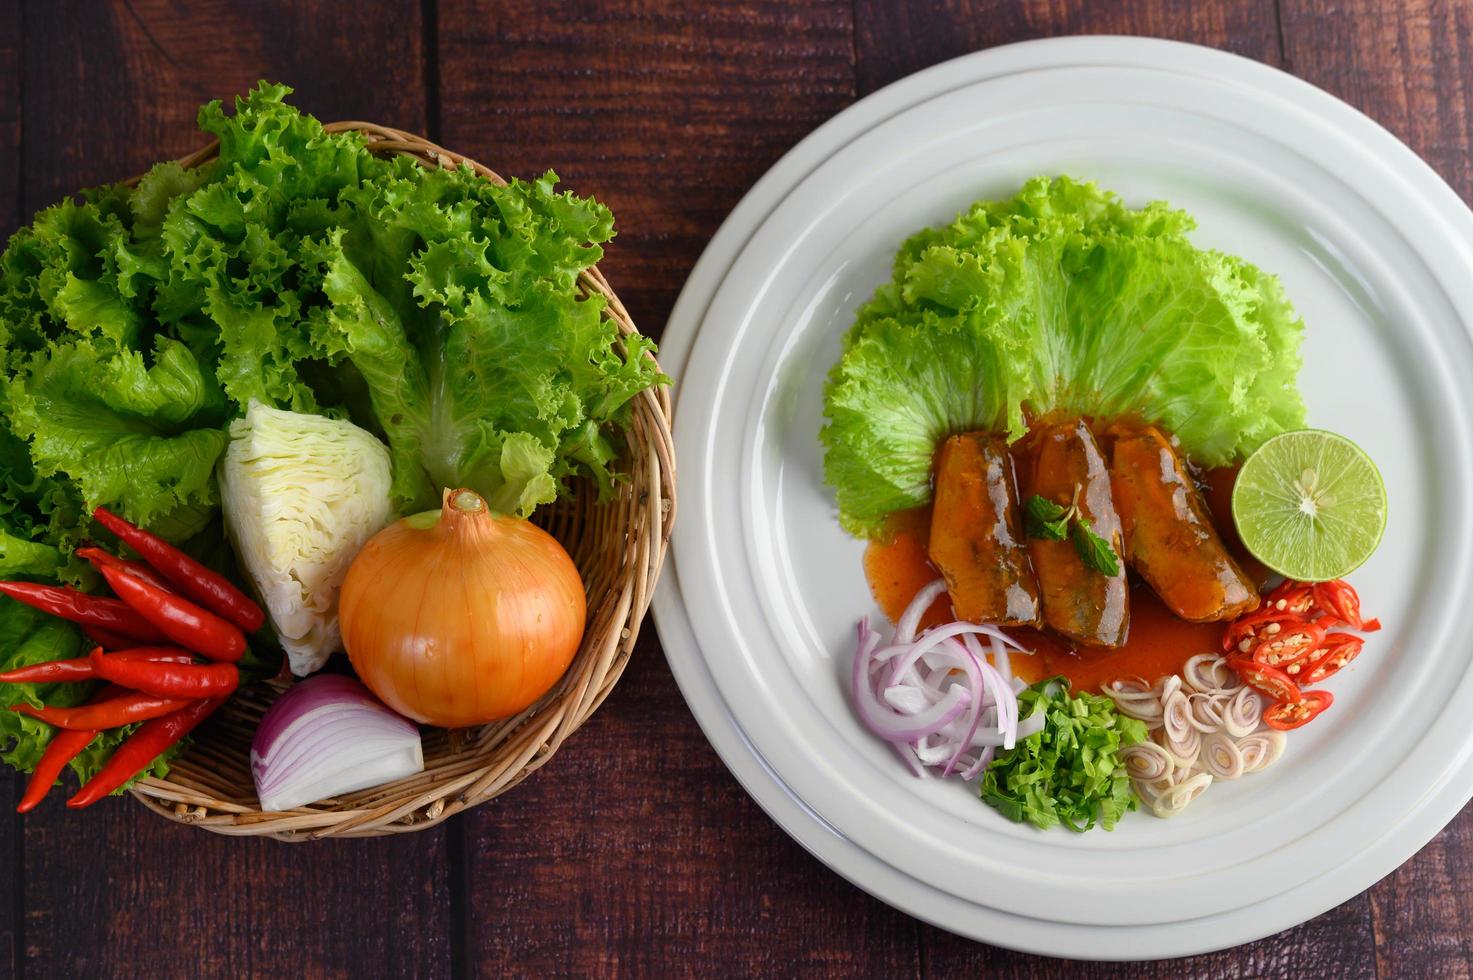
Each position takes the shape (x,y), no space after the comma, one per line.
(1310,505)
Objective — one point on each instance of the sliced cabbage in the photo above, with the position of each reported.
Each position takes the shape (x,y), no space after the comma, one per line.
(301,495)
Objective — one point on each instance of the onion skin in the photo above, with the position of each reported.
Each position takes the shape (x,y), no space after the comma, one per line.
(459,617)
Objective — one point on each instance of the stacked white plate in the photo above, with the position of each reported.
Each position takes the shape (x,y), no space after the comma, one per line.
(757,610)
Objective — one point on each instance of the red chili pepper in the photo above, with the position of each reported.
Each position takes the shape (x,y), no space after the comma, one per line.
(1286,648)
(81,669)
(180,620)
(207,588)
(107,639)
(100,558)
(114,713)
(141,748)
(1289,715)
(167,680)
(1269,681)
(79,607)
(63,748)
(1294,597)
(1244,633)
(1339,650)
(1340,601)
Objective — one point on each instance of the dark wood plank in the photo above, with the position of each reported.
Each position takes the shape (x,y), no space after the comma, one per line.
(111,89)
(665,112)
(117,891)
(634,852)
(10,787)
(893,39)
(10,96)
(1422,910)
(1408,65)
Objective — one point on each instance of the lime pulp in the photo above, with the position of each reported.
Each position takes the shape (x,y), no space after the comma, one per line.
(1310,504)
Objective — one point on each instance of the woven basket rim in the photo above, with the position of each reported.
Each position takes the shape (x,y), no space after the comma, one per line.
(204,787)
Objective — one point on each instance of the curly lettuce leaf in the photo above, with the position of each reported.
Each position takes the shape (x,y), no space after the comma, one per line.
(1059,300)
(141,437)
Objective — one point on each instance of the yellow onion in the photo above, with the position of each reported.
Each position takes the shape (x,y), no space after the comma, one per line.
(460,616)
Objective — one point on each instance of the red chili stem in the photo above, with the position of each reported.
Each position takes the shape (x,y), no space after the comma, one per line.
(141,748)
(208,588)
(168,680)
(179,619)
(81,669)
(79,607)
(114,713)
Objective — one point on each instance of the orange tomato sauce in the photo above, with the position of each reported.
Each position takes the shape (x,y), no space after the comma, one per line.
(1159,643)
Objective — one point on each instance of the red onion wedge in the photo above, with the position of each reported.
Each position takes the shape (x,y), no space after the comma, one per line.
(935,696)
(326,736)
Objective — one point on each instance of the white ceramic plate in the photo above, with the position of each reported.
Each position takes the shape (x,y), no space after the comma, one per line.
(758,609)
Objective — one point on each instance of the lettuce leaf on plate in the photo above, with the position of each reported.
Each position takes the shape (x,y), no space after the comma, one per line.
(1059,300)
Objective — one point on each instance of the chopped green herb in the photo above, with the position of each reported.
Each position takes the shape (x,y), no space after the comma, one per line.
(1069,773)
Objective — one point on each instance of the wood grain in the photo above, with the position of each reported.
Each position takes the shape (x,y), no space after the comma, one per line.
(112,89)
(117,891)
(635,853)
(1408,65)
(1423,909)
(894,39)
(665,112)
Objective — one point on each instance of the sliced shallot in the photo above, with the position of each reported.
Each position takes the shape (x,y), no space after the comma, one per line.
(933,694)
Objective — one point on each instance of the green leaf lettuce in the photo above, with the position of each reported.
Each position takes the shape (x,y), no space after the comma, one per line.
(1059,300)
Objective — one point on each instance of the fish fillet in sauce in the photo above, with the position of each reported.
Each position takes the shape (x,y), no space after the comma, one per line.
(1169,536)
(976,535)
(1084,605)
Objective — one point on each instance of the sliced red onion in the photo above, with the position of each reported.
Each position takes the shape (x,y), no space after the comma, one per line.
(934,696)
(326,736)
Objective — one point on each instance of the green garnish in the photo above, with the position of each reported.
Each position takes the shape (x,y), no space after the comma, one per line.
(1042,518)
(1069,773)
(1045,519)
(1094,550)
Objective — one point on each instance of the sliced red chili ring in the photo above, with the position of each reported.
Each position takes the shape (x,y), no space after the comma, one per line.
(1339,649)
(1293,597)
(1270,681)
(1341,602)
(1287,715)
(1244,633)
(1294,645)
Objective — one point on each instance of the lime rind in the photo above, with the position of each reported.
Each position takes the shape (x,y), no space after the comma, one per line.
(1310,505)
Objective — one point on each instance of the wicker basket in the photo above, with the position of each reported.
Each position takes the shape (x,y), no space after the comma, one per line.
(618,547)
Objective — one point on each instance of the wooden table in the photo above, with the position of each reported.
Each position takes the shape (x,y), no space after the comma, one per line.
(633,852)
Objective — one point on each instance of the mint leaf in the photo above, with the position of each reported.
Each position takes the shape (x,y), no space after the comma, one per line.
(1045,519)
(1094,550)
